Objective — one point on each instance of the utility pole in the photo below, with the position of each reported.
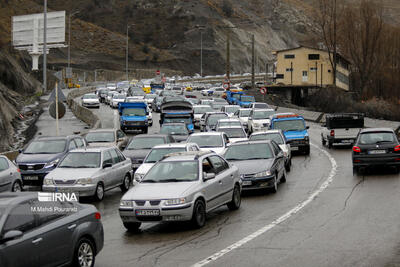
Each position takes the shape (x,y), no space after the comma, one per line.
(45,47)
(253,77)
(228,63)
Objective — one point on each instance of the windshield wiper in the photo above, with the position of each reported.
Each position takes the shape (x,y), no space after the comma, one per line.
(100,141)
(291,130)
(170,180)
(234,159)
(257,158)
(384,141)
(150,162)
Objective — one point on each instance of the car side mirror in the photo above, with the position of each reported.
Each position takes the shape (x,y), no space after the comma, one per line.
(11,235)
(308,127)
(20,151)
(208,176)
(107,165)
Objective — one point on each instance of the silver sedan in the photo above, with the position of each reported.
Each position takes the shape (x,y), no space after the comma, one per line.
(90,172)
(182,187)
(10,176)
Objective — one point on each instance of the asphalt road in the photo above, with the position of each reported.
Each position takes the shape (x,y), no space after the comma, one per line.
(322,216)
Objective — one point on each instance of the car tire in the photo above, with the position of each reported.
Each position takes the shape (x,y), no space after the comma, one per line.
(85,254)
(307,151)
(330,144)
(145,130)
(288,165)
(236,199)
(126,183)
(99,194)
(132,226)
(16,186)
(199,214)
(274,189)
(323,141)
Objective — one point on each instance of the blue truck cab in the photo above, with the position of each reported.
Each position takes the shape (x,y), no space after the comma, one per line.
(295,130)
(245,101)
(233,97)
(177,111)
(133,116)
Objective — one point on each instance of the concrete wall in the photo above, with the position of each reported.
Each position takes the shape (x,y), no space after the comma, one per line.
(84,114)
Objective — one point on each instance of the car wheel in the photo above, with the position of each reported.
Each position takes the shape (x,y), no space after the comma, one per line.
(236,199)
(84,255)
(16,187)
(125,183)
(323,141)
(199,214)
(307,151)
(145,130)
(132,226)
(330,144)
(99,194)
(274,189)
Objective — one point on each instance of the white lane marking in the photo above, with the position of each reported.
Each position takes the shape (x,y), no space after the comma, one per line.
(281,219)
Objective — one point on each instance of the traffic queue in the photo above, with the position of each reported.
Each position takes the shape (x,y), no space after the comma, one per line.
(206,153)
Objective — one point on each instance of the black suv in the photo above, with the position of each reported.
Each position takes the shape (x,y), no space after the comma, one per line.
(374,147)
(42,154)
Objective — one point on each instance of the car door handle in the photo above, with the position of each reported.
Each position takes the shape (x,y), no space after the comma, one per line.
(72,226)
(36,241)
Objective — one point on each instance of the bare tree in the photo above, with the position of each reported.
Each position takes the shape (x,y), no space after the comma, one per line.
(361,39)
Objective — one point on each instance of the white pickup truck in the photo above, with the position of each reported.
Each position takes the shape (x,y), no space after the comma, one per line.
(341,128)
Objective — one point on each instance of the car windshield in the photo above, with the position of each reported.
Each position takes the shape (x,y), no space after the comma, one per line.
(213,119)
(119,97)
(231,109)
(248,152)
(237,96)
(205,141)
(175,171)
(244,113)
(261,105)
(229,123)
(233,132)
(262,115)
(145,142)
(207,102)
(376,138)
(157,154)
(181,120)
(90,97)
(81,160)
(150,96)
(46,147)
(100,137)
(174,129)
(289,125)
(269,136)
(202,110)
(133,112)
(247,99)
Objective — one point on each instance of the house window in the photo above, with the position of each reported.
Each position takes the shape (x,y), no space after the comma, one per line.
(289,56)
(313,56)
(342,78)
(280,76)
(313,69)
(289,70)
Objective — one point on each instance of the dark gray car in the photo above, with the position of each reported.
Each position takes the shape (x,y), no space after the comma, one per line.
(10,176)
(140,145)
(261,164)
(36,233)
(178,131)
(42,155)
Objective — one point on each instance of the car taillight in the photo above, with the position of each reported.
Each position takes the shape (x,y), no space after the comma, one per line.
(397,148)
(332,132)
(356,149)
(97,215)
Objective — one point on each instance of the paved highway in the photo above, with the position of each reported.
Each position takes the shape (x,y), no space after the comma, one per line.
(322,216)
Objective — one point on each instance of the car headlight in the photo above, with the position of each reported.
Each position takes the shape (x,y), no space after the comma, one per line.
(138,177)
(84,181)
(126,204)
(175,201)
(51,164)
(262,174)
(48,181)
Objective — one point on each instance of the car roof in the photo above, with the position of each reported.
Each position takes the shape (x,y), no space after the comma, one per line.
(187,155)
(200,106)
(263,109)
(245,109)
(102,130)
(150,135)
(230,127)
(268,131)
(91,149)
(229,119)
(248,142)
(232,106)
(57,137)
(370,130)
(174,145)
(205,133)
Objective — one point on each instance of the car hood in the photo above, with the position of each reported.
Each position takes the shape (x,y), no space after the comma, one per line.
(296,134)
(136,153)
(37,158)
(90,100)
(252,166)
(149,191)
(72,174)
(144,168)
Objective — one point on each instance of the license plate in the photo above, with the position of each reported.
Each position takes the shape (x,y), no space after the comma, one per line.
(147,212)
(377,152)
(294,148)
(63,190)
(31,178)
(246,183)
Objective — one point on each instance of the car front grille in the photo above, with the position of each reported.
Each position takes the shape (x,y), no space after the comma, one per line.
(143,202)
(134,123)
(155,202)
(140,202)
(296,142)
(247,176)
(30,167)
(68,182)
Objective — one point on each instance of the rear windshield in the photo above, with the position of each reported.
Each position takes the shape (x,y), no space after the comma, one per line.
(345,122)
(376,138)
